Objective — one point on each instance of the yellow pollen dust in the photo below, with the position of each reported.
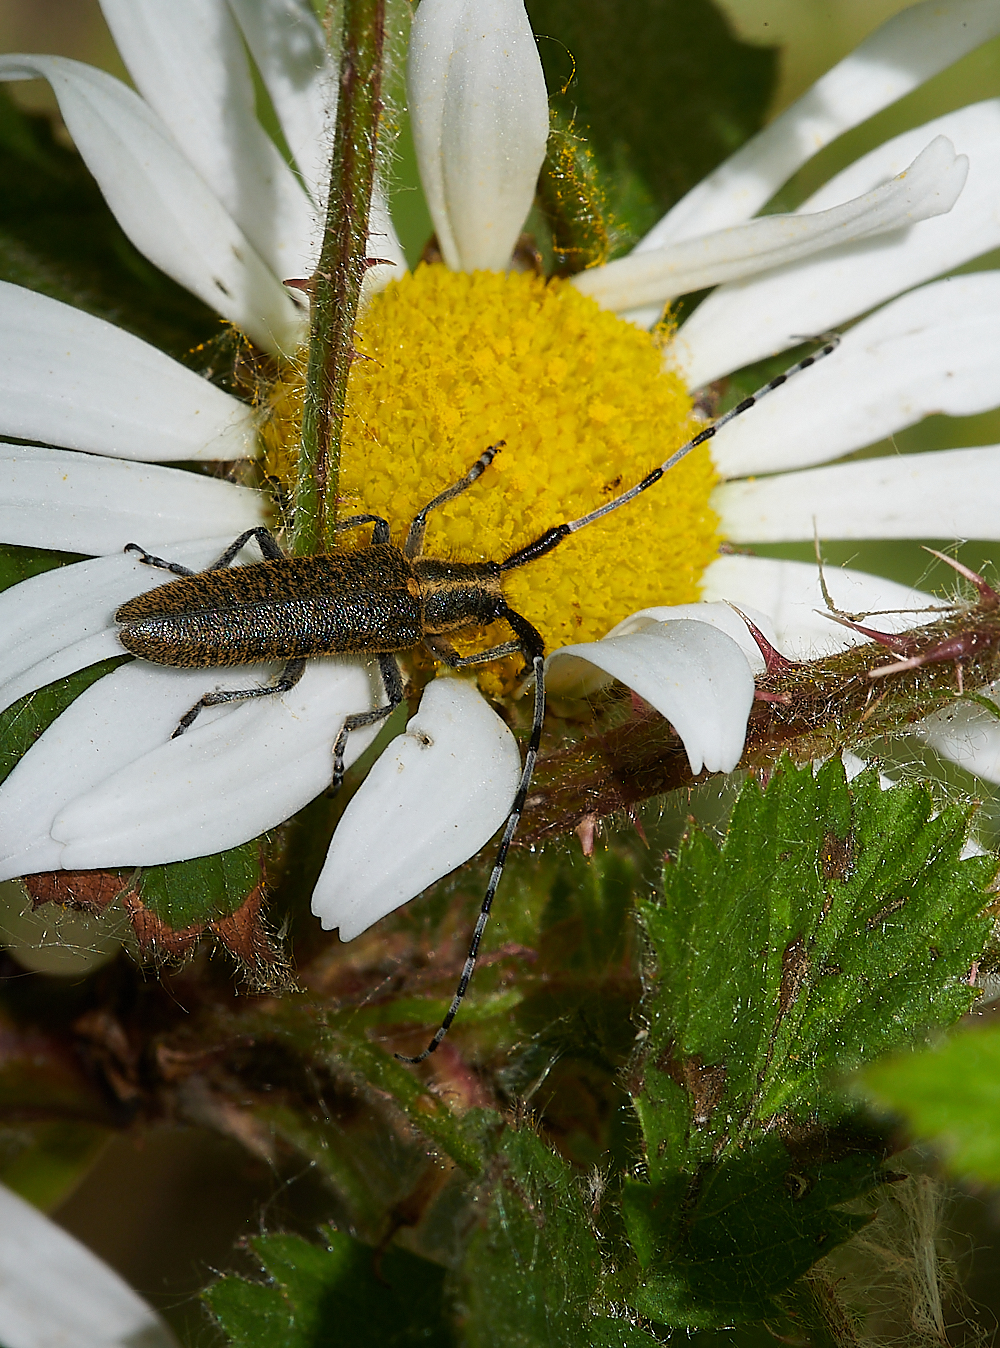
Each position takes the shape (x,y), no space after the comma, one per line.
(453,362)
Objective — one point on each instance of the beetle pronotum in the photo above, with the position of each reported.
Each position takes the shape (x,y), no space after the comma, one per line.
(379,600)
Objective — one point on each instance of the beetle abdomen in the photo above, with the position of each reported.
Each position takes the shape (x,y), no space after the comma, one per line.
(364,602)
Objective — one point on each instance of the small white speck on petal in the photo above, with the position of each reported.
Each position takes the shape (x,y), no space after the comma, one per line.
(436,795)
(692,673)
(54,1291)
(480,118)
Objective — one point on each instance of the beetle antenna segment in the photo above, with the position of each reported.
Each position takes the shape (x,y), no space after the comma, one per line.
(534,650)
(827,349)
(414,544)
(554,536)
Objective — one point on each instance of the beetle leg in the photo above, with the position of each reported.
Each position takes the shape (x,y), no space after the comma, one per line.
(380,534)
(265,541)
(443,650)
(392,681)
(287,679)
(533,648)
(148,560)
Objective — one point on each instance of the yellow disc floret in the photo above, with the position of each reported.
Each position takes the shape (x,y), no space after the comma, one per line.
(451,363)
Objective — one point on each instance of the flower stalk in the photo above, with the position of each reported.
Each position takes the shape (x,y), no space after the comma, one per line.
(336,283)
(808,710)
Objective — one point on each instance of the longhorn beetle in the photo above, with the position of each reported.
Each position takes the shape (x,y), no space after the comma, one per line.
(377,601)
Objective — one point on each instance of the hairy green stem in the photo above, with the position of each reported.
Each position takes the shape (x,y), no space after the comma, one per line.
(336,283)
(808,710)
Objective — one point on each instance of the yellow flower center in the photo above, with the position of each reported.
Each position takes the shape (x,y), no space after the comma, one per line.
(452,363)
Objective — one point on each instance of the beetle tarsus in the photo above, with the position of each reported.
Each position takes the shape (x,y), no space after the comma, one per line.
(392,682)
(534,651)
(288,678)
(149,560)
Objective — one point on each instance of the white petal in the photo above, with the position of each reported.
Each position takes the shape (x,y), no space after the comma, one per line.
(746,320)
(161,202)
(105,785)
(789,592)
(435,796)
(70,379)
(289,49)
(480,121)
(936,349)
(854,766)
(63,620)
(930,186)
(907,50)
(968,736)
(188,61)
(692,673)
(721,616)
(53,498)
(953,493)
(54,1293)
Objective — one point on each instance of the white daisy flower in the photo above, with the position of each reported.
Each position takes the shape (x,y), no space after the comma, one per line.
(466,355)
(53,1290)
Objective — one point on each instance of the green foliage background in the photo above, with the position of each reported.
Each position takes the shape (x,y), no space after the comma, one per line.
(647,1129)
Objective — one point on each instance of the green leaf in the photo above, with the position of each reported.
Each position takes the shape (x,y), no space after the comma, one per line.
(949,1095)
(58,236)
(834,922)
(660,112)
(17,564)
(605,1333)
(536,1259)
(22,723)
(345,1295)
(186,893)
(724,1246)
(44,1162)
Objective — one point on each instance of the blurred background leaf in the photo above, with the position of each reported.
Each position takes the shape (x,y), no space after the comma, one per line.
(555,1005)
(344,1293)
(950,1096)
(660,112)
